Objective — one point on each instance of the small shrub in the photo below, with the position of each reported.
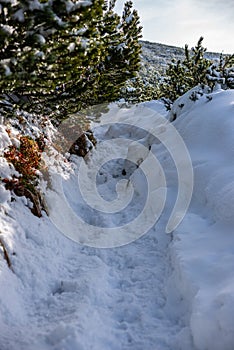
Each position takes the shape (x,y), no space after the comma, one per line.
(222,72)
(183,75)
(195,69)
(26,160)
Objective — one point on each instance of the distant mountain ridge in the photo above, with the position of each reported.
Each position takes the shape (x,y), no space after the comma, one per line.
(160,55)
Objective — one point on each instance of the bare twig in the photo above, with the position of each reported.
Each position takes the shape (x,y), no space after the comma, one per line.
(5,254)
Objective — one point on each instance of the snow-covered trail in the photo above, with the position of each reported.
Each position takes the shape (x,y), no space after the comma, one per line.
(86,298)
(160,292)
(72,297)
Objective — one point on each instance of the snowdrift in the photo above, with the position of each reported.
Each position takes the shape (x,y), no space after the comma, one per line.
(203,245)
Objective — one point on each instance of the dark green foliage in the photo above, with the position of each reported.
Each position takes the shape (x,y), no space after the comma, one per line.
(184,74)
(193,70)
(123,51)
(222,72)
(57,56)
(141,88)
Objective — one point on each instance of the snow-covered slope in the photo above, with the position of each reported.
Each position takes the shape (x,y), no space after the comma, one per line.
(203,246)
(160,55)
(161,291)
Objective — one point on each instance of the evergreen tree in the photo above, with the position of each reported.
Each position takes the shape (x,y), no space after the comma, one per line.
(123,49)
(143,87)
(129,50)
(183,75)
(195,69)
(222,72)
(59,55)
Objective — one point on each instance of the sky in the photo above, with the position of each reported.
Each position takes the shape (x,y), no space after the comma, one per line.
(180,22)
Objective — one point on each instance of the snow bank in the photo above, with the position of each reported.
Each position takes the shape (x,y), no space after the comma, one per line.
(203,247)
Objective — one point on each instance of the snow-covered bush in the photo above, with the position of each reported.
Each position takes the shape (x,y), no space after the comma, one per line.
(195,69)
(222,72)
(141,88)
(23,141)
(26,159)
(182,75)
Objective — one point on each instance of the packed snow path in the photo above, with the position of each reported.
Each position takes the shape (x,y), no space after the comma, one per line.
(70,297)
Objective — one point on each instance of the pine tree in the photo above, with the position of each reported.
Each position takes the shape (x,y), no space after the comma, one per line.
(182,75)
(195,69)
(123,49)
(143,87)
(59,55)
(131,48)
(222,72)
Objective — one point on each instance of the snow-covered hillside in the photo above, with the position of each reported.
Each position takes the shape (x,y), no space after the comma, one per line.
(154,291)
(158,56)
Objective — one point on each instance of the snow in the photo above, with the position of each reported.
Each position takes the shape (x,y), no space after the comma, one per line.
(156,290)
(129,18)
(19,15)
(40,39)
(35,5)
(7,29)
(5,64)
(4,195)
(69,5)
(71,47)
(82,3)
(207,254)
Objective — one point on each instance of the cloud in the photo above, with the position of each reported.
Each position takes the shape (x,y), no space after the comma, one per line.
(177,22)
